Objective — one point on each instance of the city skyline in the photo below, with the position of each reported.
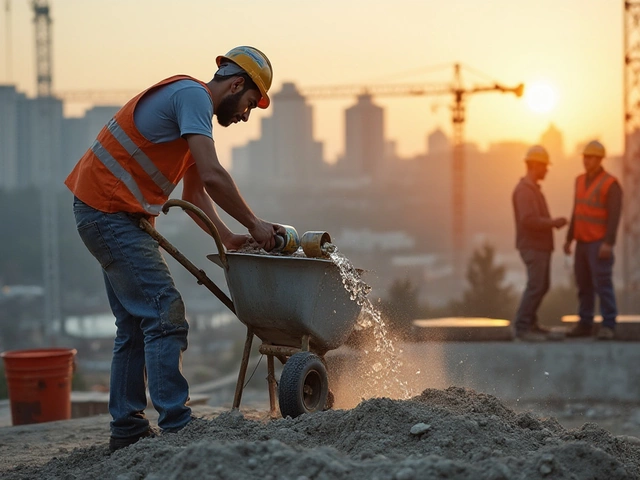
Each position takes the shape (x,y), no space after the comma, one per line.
(573,48)
(285,146)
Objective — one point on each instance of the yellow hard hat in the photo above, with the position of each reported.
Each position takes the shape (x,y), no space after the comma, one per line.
(594,148)
(537,153)
(256,64)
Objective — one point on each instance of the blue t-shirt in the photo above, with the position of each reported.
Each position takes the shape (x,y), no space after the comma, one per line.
(171,111)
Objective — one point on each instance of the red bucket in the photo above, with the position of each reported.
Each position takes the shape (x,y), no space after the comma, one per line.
(39,384)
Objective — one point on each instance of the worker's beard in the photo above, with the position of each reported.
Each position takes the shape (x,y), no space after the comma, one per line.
(228,109)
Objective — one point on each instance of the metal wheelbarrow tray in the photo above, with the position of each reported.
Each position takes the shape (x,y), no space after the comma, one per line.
(297,306)
(283,299)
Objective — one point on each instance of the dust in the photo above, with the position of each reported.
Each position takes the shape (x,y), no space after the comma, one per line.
(454,433)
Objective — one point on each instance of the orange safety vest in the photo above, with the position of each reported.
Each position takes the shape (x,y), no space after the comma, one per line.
(590,213)
(123,171)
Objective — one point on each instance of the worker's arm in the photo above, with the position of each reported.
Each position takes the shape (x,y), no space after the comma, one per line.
(567,244)
(219,185)
(531,218)
(193,191)
(613,204)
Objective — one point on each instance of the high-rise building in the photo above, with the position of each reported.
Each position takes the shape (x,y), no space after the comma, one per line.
(37,144)
(364,138)
(40,141)
(438,144)
(286,150)
(551,139)
(79,133)
(9,100)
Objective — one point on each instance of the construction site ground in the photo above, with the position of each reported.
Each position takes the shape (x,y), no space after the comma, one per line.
(476,410)
(467,434)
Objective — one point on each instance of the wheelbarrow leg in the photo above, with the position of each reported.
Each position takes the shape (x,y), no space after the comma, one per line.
(243,369)
(271,379)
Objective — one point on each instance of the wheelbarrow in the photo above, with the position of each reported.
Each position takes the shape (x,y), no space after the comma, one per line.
(297,306)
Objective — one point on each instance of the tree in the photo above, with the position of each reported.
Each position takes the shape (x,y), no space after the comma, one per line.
(487,295)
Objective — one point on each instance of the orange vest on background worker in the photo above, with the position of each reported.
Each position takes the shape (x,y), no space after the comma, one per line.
(125,172)
(590,215)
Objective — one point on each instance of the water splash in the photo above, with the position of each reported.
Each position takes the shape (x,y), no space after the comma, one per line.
(384,374)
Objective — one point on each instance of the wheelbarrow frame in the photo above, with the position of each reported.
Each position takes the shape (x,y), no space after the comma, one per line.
(282,352)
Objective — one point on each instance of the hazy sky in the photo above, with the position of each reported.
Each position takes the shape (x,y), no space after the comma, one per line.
(574,47)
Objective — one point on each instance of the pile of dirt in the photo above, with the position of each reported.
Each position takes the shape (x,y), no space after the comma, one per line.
(454,433)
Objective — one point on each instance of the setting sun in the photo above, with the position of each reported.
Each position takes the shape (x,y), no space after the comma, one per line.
(540,97)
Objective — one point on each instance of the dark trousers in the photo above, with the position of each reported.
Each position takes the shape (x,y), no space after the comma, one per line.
(538,265)
(594,277)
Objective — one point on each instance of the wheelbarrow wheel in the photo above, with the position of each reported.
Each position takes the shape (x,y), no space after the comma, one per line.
(303,386)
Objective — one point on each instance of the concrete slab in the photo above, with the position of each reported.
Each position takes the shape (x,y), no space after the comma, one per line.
(462,329)
(580,370)
(627,327)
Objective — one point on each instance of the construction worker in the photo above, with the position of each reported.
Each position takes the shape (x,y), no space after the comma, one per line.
(534,241)
(594,224)
(160,137)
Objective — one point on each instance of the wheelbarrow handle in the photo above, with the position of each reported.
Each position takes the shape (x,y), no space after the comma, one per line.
(186,263)
(175,202)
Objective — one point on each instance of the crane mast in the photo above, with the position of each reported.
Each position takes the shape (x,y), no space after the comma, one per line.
(49,206)
(42,21)
(457,173)
(631,162)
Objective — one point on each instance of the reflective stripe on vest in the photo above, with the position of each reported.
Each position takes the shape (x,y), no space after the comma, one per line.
(593,200)
(119,172)
(139,156)
(584,218)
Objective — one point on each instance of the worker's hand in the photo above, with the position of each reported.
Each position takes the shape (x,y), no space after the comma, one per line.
(605,251)
(235,241)
(567,248)
(264,234)
(559,222)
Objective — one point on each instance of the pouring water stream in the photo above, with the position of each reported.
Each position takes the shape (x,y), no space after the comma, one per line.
(383,376)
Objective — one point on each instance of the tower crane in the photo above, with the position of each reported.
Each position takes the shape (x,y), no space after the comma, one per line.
(631,163)
(458,106)
(49,206)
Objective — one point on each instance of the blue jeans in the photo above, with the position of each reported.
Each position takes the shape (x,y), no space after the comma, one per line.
(594,276)
(538,273)
(150,319)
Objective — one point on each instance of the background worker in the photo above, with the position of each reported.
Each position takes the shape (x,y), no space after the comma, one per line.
(594,224)
(534,241)
(160,137)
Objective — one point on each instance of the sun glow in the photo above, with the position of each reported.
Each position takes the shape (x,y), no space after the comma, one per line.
(541,97)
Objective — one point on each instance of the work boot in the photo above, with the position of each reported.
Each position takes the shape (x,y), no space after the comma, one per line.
(580,330)
(530,336)
(606,333)
(118,443)
(536,327)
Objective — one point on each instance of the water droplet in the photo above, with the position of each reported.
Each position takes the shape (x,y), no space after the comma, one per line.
(388,374)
